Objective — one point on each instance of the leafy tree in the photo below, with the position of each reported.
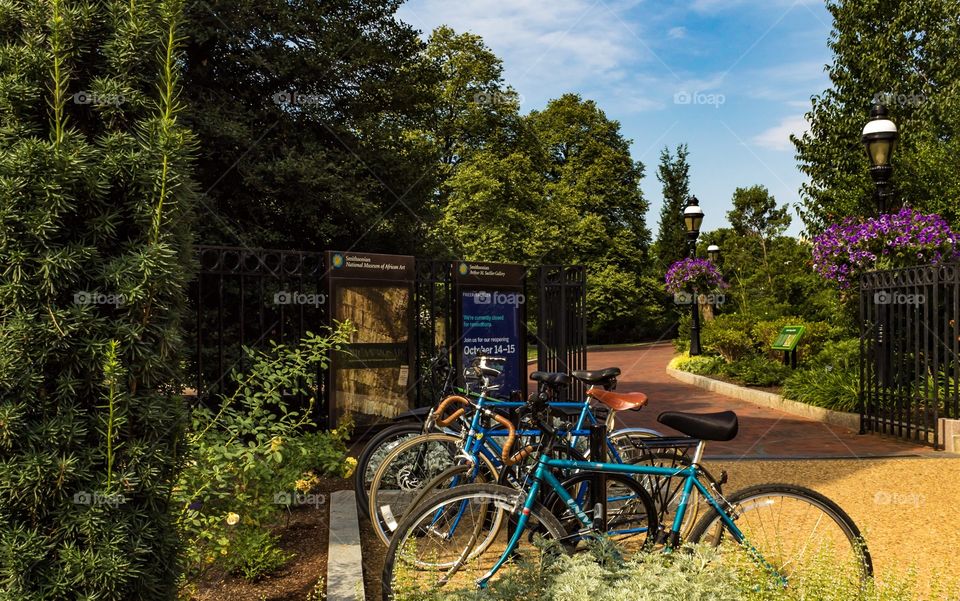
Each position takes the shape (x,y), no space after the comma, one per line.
(589,169)
(755,214)
(484,162)
(593,187)
(674,173)
(95,213)
(302,111)
(473,109)
(904,55)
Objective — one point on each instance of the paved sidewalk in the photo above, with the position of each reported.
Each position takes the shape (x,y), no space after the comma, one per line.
(764,433)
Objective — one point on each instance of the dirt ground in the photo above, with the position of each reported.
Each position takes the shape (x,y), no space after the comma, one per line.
(907,508)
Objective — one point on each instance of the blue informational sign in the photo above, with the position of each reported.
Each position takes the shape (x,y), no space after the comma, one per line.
(490,325)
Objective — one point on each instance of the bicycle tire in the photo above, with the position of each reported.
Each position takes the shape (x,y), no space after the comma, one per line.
(507,500)
(370,451)
(385,517)
(746,500)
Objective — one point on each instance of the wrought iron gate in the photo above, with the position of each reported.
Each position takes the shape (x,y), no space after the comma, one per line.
(909,345)
(239,299)
(562,320)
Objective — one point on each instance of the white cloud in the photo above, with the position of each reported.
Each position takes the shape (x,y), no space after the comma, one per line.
(778,136)
(547,49)
(677,33)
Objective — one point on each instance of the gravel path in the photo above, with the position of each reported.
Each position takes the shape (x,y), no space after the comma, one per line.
(908,509)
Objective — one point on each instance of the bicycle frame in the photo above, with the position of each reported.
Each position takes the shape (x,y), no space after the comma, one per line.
(542,476)
(477,436)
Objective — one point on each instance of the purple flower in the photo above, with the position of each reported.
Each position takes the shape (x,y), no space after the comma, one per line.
(846,249)
(687,274)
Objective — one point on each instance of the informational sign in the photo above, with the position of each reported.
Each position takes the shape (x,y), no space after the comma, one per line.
(788,338)
(369,378)
(491,311)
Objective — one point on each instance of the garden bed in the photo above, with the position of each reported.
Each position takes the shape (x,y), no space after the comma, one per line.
(305,534)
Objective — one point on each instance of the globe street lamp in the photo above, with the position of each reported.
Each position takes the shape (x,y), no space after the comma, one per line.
(692,219)
(880,139)
(713,251)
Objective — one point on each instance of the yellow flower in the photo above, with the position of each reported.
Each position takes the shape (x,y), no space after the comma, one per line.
(233,518)
(349,466)
(275,443)
(302,485)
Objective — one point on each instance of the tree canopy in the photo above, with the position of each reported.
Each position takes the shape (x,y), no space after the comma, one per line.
(902,54)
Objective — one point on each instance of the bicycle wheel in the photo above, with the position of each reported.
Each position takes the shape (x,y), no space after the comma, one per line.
(405,471)
(373,453)
(631,512)
(666,491)
(789,533)
(455,475)
(436,545)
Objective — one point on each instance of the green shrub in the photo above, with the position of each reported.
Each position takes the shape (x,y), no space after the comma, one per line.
(826,387)
(728,336)
(704,365)
(840,354)
(757,370)
(700,573)
(248,458)
(254,554)
(97,205)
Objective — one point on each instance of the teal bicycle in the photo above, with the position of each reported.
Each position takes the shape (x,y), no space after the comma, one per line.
(464,536)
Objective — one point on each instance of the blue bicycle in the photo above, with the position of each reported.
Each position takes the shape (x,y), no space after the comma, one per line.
(464,536)
(481,452)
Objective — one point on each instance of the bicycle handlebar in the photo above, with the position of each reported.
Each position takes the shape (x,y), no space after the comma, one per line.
(505,457)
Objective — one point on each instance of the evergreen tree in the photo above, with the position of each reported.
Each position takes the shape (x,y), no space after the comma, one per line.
(303,111)
(674,173)
(902,53)
(95,211)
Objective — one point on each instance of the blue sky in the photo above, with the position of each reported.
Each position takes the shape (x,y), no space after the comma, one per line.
(730,78)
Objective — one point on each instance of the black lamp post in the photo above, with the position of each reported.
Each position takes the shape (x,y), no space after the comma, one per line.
(880,139)
(692,219)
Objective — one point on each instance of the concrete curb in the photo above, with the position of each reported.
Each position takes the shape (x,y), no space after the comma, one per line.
(850,421)
(344,557)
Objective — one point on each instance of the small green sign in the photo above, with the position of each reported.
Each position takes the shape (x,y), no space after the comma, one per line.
(788,338)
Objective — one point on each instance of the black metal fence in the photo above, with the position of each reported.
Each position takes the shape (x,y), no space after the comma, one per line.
(249,297)
(562,320)
(245,297)
(909,372)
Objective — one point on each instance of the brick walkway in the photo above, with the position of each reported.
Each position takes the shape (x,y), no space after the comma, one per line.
(764,433)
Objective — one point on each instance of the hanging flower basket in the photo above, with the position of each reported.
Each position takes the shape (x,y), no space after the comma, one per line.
(847,249)
(688,275)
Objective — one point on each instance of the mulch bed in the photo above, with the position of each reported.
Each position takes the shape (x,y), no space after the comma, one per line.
(305,533)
